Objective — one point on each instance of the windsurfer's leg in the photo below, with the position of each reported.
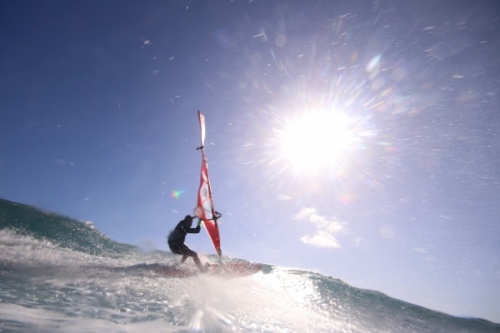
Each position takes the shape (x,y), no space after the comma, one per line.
(175,248)
(179,248)
(187,252)
(197,260)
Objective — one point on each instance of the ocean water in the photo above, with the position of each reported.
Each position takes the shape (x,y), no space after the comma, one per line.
(61,275)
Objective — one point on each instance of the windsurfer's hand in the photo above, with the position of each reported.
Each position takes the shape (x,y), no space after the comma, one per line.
(199,222)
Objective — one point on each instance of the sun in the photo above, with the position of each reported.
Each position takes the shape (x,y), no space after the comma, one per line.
(316,139)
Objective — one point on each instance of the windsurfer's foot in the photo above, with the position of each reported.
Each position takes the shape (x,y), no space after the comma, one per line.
(204,268)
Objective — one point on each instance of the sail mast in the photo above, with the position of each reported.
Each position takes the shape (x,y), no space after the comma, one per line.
(205,206)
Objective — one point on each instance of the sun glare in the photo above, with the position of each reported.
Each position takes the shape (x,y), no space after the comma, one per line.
(316,139)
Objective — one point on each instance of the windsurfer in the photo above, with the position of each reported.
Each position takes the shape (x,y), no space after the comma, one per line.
(177,237)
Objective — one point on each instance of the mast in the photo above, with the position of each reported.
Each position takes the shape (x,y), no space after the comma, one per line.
(205,206)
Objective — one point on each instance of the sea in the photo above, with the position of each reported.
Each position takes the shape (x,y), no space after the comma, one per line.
(58,274)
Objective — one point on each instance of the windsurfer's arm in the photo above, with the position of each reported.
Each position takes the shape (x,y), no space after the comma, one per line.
(197,229)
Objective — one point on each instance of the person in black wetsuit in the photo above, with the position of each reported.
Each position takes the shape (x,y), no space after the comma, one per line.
(177,237)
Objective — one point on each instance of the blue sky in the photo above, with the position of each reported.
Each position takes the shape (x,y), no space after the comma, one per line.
(358,139)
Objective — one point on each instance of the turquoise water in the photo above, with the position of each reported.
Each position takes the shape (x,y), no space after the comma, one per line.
(61,275)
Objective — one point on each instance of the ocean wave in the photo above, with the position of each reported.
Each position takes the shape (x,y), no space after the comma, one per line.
(53,280)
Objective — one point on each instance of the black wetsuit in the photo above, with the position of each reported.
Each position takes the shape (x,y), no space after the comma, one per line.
(176,240)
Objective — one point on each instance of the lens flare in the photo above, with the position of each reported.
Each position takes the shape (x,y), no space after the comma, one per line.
(176,194)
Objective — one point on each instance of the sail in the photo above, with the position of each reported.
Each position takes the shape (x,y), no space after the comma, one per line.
(205,205)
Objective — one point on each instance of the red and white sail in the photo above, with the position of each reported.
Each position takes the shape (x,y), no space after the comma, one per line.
(205,205)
